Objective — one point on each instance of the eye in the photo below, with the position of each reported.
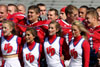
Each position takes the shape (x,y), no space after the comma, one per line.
(4,28)
(27,35)
(50,27)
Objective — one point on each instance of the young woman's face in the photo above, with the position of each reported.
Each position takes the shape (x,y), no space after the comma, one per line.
(29,37)
(52,29)
(7,30)
(75,31)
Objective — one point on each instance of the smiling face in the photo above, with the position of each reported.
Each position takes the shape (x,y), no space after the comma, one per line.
(7,29)
(89,20)
(63,16)
(3,13)
(76,32)
(52,16)
(32,15)
(52,29)
(82,12)
(29,37)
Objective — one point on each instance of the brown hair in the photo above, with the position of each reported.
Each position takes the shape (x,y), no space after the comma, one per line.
(55,10)
(34,33)
(57,25)
(93,13)
(70,9)
(16,9)
(35,8)
(11,24)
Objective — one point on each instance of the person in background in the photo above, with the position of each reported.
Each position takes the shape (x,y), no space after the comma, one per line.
(12,8)
(52,14)
(82,11)
(21,8)
(3,15)
(43,11)
(93,37)
(71,13)
(62,14)
(98,11)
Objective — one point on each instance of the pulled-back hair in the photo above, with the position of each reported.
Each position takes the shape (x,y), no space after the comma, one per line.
(81,27)
(34,33)
(57,25)
(11,24)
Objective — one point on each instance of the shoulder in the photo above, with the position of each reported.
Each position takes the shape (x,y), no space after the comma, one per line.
(19,38)
(85,43)
(62,38)
(41,45)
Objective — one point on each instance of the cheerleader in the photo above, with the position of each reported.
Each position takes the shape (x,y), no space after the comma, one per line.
(10,44)
(32,49)
(79,47)
(53,46)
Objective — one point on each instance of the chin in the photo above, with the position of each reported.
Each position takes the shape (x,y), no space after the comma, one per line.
(28,41)
(74,36)
(5,35)
(51,34)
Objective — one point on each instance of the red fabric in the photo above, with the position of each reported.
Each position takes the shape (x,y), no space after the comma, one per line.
(9,16)
(18,18)
(63,9)
(66,28)
(95,34)
(40,31)
(86,50)
(64,25)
